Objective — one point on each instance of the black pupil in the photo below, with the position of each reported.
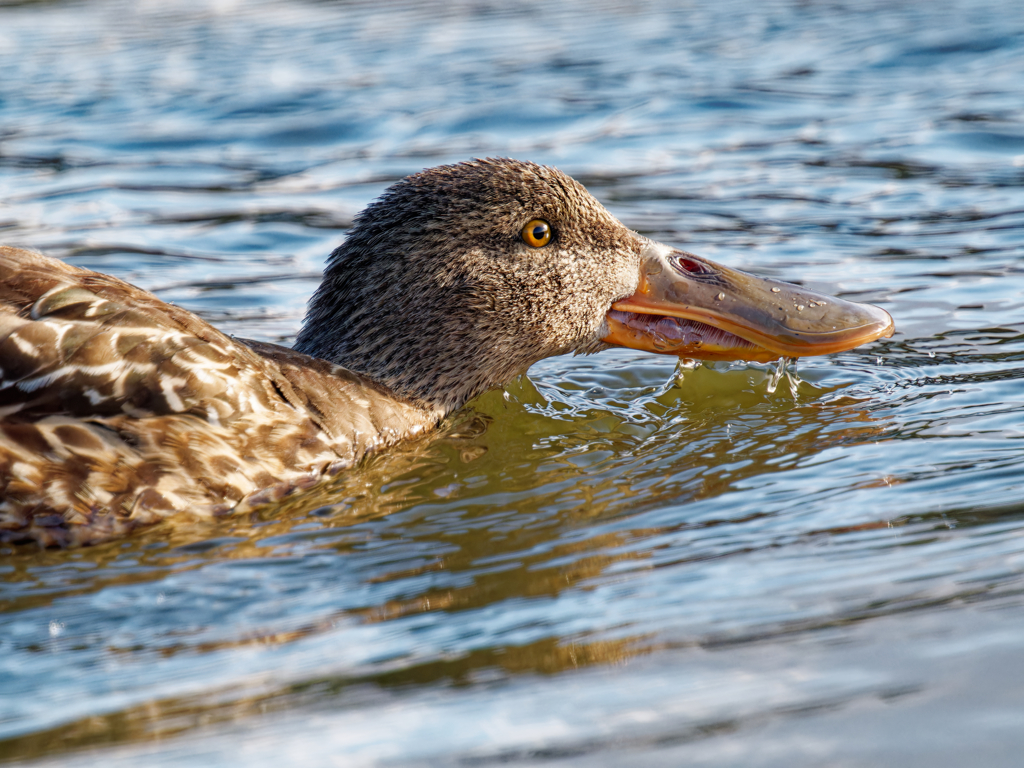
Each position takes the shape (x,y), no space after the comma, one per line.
(539,231)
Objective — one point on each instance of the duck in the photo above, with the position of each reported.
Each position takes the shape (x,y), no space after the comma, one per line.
(119,410)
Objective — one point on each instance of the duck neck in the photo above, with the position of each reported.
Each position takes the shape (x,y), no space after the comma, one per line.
(437,379)
(421,344)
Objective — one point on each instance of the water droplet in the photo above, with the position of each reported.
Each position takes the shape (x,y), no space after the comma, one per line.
(662,344)
(799,307)
(776,290)
(721,296)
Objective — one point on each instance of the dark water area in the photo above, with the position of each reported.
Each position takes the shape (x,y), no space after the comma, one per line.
(605,565)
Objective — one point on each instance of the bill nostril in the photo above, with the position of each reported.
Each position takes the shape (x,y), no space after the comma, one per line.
(691,266)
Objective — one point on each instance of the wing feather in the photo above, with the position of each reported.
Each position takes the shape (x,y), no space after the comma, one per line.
(118,409)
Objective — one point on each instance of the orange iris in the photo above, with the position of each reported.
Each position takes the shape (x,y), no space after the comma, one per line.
(537,233)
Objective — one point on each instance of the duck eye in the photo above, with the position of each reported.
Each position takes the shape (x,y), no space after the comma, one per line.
(537,233)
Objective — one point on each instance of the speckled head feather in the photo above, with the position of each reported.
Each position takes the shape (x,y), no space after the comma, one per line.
(435,294)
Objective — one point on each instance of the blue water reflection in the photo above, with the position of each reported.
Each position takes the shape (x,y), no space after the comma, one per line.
(605,567)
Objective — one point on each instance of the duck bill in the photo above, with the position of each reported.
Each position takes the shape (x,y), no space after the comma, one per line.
(692,307)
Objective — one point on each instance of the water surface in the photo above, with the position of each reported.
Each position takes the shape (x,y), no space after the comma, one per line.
(605,565)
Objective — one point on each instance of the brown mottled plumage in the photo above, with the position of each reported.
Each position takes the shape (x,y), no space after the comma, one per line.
(117,409)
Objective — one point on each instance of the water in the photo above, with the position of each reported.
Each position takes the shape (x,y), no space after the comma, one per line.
(609,565)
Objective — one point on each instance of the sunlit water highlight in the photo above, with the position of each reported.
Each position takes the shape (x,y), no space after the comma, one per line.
(613,565)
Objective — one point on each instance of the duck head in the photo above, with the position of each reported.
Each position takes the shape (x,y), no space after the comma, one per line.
(460,277)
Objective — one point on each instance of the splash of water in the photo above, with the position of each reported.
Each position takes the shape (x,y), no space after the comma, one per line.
(785,367)
(685,364)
